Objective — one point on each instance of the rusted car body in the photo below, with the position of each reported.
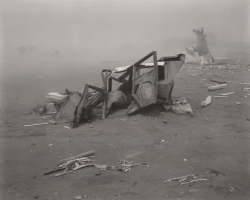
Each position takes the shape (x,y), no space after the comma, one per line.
(138,88)
(154,86)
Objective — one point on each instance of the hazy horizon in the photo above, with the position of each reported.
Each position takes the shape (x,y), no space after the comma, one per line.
(117,29)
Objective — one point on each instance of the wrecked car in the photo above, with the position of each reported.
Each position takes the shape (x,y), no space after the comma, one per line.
(142,84)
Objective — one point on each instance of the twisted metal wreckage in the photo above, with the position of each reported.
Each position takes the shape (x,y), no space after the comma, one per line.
(137,90)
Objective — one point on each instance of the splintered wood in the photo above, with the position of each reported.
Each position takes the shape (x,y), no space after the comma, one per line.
(183,180)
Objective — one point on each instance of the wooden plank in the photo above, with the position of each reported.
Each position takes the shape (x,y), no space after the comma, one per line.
(146,83)
(144,58)
(79,108)
(104,106)
(85,154)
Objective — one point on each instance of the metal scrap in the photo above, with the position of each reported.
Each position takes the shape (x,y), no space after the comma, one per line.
(244,83)
(77,162)
(196,74)
(246,89)
(132,164)
(220,96)
(50,122)
(223,75)
(35,124)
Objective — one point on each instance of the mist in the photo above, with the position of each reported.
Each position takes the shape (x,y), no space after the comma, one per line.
(117,29)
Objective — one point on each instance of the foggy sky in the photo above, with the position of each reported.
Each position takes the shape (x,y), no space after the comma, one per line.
(96,27)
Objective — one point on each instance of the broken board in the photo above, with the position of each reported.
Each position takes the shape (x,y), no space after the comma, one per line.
(67,110)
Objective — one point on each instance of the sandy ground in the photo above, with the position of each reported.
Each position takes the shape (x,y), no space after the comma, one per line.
(216,137)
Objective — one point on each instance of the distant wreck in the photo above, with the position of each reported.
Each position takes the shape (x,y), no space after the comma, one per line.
(142,84)
(199,53)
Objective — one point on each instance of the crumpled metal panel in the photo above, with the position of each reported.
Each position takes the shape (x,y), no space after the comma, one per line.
(67,110)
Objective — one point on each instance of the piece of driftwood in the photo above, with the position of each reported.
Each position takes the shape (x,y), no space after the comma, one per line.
(36,124)
(192,181)
(217,81)
(220,96)
(226,94)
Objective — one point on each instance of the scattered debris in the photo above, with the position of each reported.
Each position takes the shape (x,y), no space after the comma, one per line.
(36,124)
(246,89)
(220,67)
(216,87)
(217,173)
(85,154)
(208,120)
(226,94)
(50,113)
(67,127)
(206,102)
(123,119)
(181,106)
(127,165)
(231,68)
(101,167)
(196,74)
(139,88)
(73,165)
(224,75)
(244,83)
(193,190)
(229,189)
(220,96)
(50,122)
(56,96)
(238,103)
(183,180)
